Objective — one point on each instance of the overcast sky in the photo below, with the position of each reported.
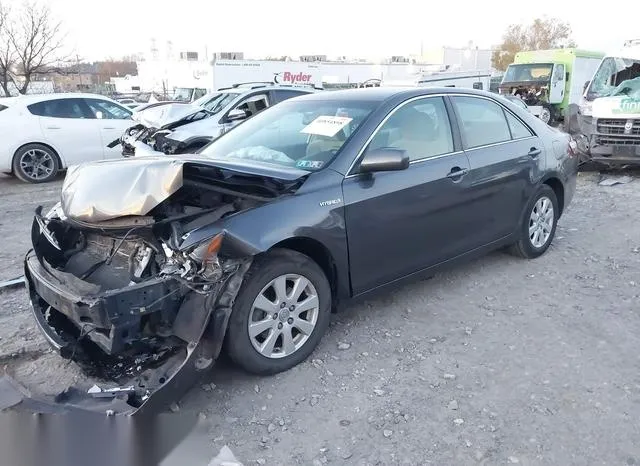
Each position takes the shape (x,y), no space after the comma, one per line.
(332,27)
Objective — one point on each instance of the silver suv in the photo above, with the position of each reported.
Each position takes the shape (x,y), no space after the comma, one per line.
(184,128)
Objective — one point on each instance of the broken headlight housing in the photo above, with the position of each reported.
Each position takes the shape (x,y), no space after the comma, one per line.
(206,255)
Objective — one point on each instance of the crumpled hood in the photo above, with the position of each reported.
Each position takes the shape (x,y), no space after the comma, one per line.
(616,107)
(99,191)
(157,117)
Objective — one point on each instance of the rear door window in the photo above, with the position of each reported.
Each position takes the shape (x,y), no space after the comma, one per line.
(61,108)
(518,129)
(105,110)
(482,122)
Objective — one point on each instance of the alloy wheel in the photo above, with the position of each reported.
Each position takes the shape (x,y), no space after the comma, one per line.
(283,316)
(541,222)
(37,164)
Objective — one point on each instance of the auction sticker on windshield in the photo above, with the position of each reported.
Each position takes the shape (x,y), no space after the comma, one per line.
(326,125)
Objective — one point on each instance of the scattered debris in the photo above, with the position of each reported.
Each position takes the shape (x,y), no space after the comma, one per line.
(449,376)
(345,422)
(18,281)
(346,454)
(225,458)
(256,389)
(613,180)
(387,433)
(458,421)
(513,460)
(271,427)
(379,392)
(344,346)
(261,461)
(174,407)
(453,404)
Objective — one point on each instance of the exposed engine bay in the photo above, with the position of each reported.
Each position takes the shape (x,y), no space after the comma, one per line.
(530,94)
(138,288)
(154,135)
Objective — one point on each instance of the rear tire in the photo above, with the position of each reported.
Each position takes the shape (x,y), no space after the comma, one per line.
(536,232)
(288,334)
(35,163)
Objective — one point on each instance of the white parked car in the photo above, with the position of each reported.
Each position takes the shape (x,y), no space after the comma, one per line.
(43,134)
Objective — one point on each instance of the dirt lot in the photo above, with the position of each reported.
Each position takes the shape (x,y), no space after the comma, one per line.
(502,361)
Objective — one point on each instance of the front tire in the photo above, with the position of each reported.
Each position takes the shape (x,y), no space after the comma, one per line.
(282,311)
(35,163)
(538,225)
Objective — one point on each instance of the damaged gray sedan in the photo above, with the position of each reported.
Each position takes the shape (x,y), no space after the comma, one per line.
(149,265)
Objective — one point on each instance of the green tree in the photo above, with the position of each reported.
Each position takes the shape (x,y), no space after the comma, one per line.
(542,33)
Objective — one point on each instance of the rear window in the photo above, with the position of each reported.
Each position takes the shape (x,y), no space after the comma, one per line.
(3,107)
(61,108)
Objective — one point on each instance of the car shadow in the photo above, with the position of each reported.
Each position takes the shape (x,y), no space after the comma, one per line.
(229,381)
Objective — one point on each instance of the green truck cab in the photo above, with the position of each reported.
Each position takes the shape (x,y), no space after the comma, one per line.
(550,80)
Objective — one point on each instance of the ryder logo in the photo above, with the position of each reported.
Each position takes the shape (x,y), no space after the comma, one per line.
(291,78)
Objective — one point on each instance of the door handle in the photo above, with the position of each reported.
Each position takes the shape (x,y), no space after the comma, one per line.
(53,127)
(457,173)
(534,152)
(108,127)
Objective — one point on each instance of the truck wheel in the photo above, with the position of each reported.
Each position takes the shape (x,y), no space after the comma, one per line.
(281,313)
(546,114)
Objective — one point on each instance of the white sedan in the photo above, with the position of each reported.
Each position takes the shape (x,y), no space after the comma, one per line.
(43,134)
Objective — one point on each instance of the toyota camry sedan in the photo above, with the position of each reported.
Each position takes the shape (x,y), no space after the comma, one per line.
(251,244)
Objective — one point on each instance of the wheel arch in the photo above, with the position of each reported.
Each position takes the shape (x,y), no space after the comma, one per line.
(558,188)
(319,253)
(61,163)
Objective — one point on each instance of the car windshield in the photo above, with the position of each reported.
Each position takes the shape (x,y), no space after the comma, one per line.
(303,134)
(216,102)
(533,72)
(616,76)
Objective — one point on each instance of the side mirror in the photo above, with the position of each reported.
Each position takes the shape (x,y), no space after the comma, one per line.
(584,88)
(236,114)
(384,160)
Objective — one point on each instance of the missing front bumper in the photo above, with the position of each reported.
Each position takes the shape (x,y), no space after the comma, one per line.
(150,377)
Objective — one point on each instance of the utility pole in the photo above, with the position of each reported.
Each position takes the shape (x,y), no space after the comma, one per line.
(78,66)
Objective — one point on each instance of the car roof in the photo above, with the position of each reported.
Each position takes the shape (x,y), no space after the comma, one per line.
(34,98)
(382,94)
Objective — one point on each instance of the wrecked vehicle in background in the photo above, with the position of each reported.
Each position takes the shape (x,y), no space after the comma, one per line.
(183,129)
(150,264)
(609,113)
(548,81)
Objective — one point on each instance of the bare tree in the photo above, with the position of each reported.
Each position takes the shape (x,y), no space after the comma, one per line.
(7,55)
(36,39)
(542,33)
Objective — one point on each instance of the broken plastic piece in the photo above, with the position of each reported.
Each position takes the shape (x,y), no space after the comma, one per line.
(97,392)
(13,282)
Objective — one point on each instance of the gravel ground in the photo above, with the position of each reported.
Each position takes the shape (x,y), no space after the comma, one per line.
(501,361)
